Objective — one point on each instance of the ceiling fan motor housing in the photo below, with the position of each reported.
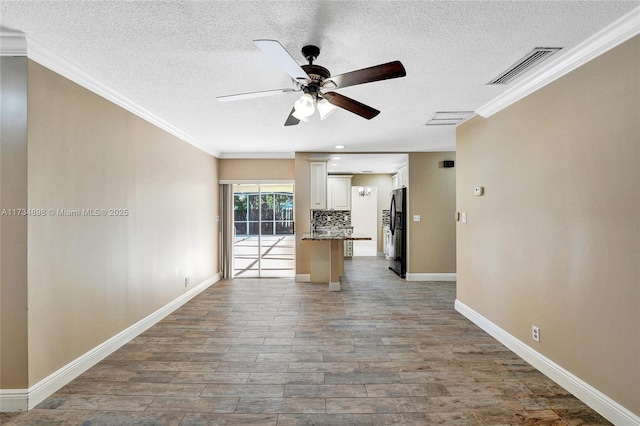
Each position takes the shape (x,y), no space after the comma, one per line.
(317,74)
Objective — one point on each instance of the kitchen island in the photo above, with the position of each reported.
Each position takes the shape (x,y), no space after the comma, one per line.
(327,255)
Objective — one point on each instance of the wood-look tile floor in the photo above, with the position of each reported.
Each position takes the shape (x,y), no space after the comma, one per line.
(275,352)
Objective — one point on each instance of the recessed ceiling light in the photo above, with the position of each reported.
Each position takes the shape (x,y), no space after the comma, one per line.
(339,146)
(334,164)
(336,158)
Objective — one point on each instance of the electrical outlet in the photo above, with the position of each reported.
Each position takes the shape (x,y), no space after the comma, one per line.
(535,333)
(186,282)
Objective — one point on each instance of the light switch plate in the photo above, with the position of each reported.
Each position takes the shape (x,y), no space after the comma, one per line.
(464,217)
(416,218)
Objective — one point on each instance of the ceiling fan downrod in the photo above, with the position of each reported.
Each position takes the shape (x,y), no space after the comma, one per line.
(316,73)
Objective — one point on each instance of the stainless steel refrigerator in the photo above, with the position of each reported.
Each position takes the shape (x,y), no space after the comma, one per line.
(397,223)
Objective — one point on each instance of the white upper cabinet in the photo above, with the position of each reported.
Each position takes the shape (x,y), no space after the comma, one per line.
(400,179)
(318,185)
(339,192)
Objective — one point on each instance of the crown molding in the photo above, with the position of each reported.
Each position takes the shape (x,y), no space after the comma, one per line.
(13,44)
(606,39)
(257,155)
(45,57)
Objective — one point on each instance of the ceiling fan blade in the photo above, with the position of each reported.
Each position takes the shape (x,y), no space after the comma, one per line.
(386,71)
(251,95)
(351,105)
(291,120)
(278,54)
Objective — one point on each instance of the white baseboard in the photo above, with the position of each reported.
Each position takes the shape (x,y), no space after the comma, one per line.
(607,407)
(303,278)
(12,400)
(20,400)
(431,277)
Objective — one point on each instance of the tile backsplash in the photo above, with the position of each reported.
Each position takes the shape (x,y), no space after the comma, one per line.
(330,219)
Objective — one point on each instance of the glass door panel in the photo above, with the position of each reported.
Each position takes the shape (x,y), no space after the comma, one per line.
(277,242)
(246,253)
(263,219)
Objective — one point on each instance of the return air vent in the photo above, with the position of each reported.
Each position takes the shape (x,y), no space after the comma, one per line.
(523,65)
(448,118)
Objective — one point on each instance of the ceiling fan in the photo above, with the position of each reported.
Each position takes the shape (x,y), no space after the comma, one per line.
(316,82)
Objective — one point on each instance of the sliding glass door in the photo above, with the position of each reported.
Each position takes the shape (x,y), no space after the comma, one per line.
(264,244)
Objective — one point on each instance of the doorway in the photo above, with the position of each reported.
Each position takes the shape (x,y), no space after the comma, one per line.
(264,243)
(364,200)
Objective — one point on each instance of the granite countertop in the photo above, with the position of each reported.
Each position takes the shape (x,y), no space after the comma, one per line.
(332,235)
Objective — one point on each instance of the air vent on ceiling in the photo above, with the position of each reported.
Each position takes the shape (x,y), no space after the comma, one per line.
(448,118)
(523,65)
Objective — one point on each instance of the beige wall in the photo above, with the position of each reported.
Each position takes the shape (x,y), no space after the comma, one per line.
(92,277)
(432,195)
(257,169)
(383,183)
(13,226)
(555,240)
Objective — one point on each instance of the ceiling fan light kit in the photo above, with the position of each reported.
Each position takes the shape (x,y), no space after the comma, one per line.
(295,115)
(313,79)
(305,106)
(325,108)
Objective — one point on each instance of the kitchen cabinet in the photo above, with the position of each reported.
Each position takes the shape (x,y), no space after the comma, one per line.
(400,179)
(339,192)
(318,185)
(327,256)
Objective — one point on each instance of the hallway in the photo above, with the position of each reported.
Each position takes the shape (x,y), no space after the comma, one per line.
(271,351)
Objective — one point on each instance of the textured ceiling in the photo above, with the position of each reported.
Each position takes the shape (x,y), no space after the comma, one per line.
(173,58)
